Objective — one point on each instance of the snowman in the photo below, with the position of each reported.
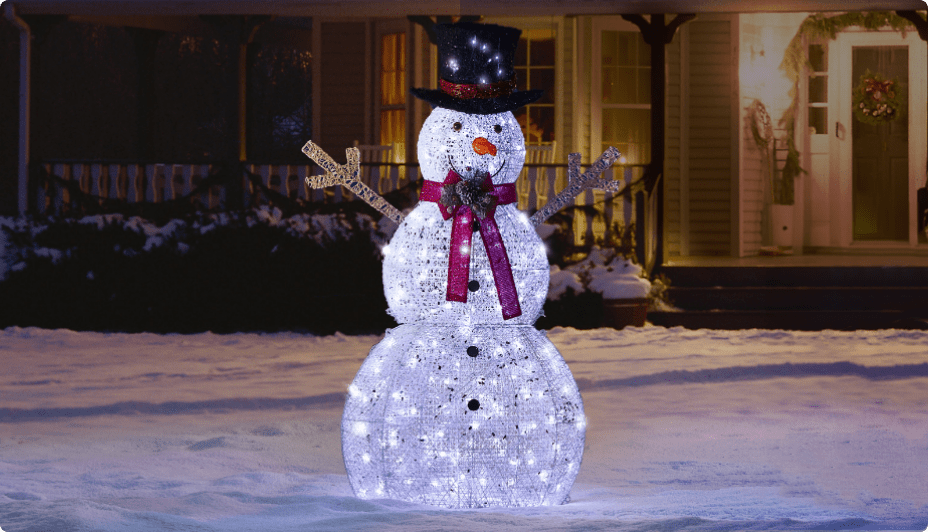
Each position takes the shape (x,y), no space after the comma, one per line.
(465,404)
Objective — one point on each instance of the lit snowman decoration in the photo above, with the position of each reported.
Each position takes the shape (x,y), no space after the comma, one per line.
(465,404)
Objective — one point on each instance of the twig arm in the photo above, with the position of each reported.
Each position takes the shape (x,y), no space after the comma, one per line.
(349,176)
(578,183)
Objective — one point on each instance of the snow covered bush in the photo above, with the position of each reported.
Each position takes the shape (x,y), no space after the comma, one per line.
(602,271)
(252,270)
(578,287)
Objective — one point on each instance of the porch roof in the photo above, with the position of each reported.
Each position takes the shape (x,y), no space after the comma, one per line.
(397,8)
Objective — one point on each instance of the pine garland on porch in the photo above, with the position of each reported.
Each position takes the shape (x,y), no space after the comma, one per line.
(816,27)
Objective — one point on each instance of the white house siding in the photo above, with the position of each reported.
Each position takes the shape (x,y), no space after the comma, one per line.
(763,39)
(582,98)
(424,74)
(565,121)
(712,85)
(754,175)
(343,85)
(752,191)
(675,149)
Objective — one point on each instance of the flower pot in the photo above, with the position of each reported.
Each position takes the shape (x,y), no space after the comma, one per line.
(620,313)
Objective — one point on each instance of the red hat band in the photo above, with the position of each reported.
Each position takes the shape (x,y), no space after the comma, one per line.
(467,91)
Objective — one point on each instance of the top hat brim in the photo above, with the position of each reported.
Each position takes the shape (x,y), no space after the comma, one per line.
(480,106)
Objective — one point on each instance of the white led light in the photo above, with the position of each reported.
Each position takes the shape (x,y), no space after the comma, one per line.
(359,428)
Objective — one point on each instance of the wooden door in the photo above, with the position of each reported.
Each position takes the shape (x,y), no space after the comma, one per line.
(880,188)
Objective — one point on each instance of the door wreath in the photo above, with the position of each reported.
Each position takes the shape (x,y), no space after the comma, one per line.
(877,100)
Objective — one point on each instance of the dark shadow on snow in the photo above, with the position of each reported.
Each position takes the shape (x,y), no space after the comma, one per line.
(767,371)
(332,400)
(131,408)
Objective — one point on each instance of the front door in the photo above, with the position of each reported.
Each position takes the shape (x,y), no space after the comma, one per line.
(876,170)
(881,154)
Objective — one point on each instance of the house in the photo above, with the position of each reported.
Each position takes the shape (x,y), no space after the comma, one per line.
(723,135)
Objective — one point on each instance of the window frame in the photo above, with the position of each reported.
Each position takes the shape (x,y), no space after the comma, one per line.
(526,71)
(382,28)
(599,25)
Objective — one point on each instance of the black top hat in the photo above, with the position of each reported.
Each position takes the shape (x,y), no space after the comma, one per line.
(475,69)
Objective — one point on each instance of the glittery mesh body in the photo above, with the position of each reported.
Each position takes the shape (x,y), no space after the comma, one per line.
(411,431)
(415,270)
(458,407)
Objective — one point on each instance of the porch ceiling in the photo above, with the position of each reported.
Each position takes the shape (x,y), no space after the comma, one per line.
(400,8)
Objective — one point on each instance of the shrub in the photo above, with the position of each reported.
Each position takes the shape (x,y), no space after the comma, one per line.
(248,271)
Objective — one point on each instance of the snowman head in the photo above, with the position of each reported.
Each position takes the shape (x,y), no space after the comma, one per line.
(471,145)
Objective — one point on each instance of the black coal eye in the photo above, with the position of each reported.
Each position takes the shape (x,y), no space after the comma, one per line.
(498,128)
(456,126)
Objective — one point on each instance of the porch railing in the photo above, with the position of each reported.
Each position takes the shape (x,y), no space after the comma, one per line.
(63,186)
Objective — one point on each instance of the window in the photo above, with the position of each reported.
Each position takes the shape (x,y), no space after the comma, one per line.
(626,95)
(818,89)
(534,65)
(393,92)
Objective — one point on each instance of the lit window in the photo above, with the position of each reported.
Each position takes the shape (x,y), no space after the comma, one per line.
(393,92)
(534,65)
(626,95)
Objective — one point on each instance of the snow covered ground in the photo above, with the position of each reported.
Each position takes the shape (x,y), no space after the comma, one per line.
(688,430)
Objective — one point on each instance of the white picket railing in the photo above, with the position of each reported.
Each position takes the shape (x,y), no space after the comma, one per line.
(132,183)
(159,182)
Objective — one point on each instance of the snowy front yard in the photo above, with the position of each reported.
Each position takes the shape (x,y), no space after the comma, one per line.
(688,430)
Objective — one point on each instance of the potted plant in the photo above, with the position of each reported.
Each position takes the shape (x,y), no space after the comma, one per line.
(780,195)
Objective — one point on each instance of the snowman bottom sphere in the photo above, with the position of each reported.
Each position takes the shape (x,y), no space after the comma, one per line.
(464,417)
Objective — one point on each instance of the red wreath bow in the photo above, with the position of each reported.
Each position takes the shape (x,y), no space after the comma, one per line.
(878,88)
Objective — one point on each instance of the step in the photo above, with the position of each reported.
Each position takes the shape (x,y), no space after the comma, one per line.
(802,320)
(779,276)
(907,298)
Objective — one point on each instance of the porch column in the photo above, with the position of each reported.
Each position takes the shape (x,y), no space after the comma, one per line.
(238,31)
(658,35)
(32,37)
(25,60)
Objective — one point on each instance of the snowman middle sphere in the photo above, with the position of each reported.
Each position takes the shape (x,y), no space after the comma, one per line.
(458,407)
(415,266)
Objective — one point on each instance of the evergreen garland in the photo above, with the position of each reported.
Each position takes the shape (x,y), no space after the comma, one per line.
(819,26)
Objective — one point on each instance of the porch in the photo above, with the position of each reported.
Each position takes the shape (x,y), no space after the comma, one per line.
(889,257)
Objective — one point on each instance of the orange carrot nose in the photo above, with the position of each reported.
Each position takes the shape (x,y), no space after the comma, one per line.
(483,146)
